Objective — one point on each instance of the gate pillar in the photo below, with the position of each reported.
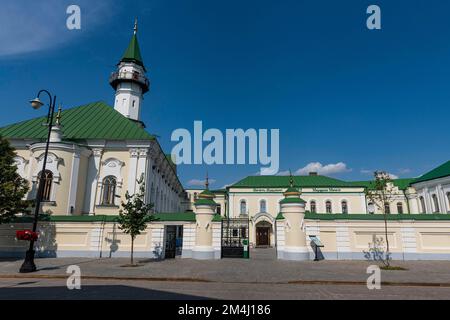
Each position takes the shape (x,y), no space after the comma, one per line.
(205,209)
(293,215)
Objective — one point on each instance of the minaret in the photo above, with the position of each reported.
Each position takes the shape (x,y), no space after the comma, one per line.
(56,133)
(130,81)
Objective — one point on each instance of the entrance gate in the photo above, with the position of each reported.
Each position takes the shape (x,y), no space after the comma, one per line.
(234,235)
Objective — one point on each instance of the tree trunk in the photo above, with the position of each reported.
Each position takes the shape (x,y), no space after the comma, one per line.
(132,250)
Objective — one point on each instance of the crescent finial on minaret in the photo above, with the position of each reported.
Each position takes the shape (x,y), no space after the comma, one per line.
(135,25)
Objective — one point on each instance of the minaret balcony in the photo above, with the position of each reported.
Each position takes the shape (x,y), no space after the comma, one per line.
(117,77)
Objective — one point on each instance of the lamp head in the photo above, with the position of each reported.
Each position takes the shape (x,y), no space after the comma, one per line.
(36,103)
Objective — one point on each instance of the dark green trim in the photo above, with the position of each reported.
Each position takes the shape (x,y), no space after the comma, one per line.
(292,200)
(208,202)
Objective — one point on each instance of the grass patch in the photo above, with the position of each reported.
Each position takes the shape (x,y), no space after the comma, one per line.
(393,268)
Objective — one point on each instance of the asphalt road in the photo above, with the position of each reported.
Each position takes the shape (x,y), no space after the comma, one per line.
(55,289)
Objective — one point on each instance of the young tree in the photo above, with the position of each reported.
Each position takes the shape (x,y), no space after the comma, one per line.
(381,194)
(134,216)
(13,188)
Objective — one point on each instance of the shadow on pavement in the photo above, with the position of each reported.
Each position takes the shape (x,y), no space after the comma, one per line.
(91,292)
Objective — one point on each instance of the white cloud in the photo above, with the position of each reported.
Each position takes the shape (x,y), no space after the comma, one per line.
(199,183)
(325,170)
(393,176)
(404,171)
(41,25)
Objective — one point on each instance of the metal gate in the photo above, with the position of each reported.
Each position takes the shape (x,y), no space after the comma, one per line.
(234,233)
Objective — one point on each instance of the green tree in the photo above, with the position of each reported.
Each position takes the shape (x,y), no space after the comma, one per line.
(134,216)
(13,188)
(381,194)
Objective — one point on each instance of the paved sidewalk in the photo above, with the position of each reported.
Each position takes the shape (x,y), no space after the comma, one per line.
(262,268)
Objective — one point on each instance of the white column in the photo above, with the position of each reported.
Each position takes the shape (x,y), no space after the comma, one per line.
(141,163)
(132,171)
(92,179)
(363,204)
(73,182)
(441,196)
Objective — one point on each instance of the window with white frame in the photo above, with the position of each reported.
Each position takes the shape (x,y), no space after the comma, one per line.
(109,190)
(46,180)
(400,207)
(435,203)
(422,205)
(313,207)
(448,200)
(263,206)
(243,208)
(344,207)
(328,207)
(387,208)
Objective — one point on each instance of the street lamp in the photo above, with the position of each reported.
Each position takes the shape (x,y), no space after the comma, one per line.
(28,265)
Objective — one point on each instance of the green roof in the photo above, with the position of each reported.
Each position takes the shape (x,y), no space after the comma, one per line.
(208,202)
(439,172)
(283,182)
(133,53)
(292,200)
(402,184)
(219,191)
(91,121)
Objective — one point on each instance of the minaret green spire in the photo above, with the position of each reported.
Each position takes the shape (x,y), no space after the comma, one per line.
(133,52)
(292,194)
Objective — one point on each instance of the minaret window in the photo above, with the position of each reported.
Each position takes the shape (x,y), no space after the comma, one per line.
(109,190)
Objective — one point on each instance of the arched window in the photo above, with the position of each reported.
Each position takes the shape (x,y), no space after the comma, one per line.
(312,206)
(219,209)
(262,206)
(435,203)
(47,180)
(400,207)
(328,207)
(344,207)
(243,207)
(387,208)
(109,190)
(422,205)
(371,207)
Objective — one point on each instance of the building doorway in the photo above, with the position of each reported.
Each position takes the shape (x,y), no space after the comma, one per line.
(174,242)
(263,231)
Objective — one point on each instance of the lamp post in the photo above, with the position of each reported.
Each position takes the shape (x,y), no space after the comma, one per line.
(28,265)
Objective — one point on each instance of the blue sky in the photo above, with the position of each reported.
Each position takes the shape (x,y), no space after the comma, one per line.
(342,95)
